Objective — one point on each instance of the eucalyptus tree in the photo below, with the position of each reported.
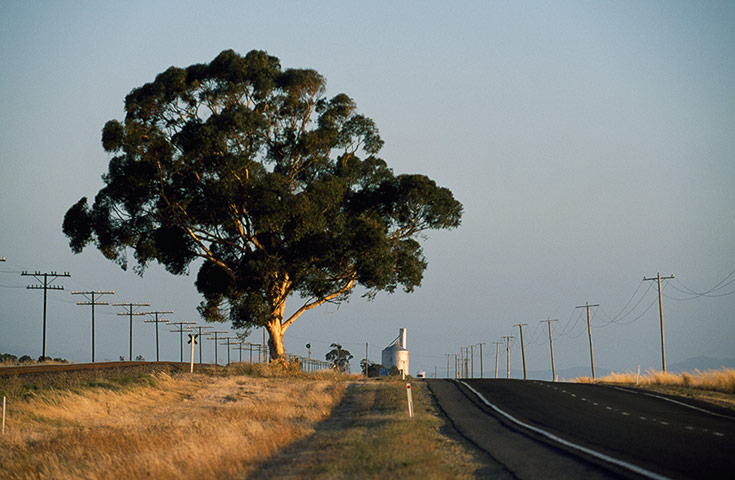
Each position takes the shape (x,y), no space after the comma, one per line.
(339,357)
(272,190)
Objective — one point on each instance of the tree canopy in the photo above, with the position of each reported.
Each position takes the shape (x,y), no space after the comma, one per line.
(271,188)
(339,357)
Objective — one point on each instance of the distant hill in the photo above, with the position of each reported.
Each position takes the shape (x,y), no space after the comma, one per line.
(701,363)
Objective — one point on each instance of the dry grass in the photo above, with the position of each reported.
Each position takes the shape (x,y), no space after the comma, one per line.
(181,426)
(722,380)
(715,386)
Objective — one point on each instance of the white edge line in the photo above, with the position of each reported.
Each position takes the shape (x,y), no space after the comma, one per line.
(551,436)
(683,404)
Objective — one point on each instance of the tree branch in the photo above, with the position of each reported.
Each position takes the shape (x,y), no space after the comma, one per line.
(309,305)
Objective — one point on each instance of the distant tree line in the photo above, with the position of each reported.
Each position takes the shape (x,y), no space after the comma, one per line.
(24,359)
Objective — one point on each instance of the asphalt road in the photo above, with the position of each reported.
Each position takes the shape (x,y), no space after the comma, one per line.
(567,430)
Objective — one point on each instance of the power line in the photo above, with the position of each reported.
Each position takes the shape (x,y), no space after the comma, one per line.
(718,286)
(620,313)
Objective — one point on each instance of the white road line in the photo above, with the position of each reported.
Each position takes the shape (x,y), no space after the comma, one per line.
(551,436)
(673,401)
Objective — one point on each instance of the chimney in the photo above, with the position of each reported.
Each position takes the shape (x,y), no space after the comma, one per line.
(403,338)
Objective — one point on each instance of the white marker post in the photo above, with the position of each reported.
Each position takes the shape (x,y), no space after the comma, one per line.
(193,341)
(3,414)
(410,400)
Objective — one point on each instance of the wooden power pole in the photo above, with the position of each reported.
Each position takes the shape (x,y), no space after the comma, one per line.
(45,286)
(658,277)
(523,350)
(90,296)
(551,347)
(131,312)
(589,334)
(508,340)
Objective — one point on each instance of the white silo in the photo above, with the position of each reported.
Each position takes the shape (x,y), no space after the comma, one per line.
(396,354)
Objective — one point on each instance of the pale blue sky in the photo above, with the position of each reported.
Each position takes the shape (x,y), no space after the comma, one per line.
(591,144)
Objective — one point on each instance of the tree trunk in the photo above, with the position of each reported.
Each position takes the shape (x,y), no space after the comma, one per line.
(275,337)
(275,342)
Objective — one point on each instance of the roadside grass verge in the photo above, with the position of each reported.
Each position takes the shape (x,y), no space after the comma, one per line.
(714,386)
(371,436)
(161,425)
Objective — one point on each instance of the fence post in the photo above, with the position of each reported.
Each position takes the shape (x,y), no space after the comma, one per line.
(410,400)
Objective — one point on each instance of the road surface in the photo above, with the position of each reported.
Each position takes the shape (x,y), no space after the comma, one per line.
(566,430)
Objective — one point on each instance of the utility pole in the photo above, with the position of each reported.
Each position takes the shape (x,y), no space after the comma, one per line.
(466,362)
(242,346)
(551,346)
(508,340)
(200,328)
(45,286)
(497,356)
(156,321)
(481,372)
(589,334)
(228,338)
(472,361)
(131,312)
(461,362)
(367,362)
(523,350)
(215,333)
(661,315)
(181,331)
(91,301)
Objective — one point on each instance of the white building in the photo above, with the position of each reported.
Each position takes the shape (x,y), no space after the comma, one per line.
(396,354)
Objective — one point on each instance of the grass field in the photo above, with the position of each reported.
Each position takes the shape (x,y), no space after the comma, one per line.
(160,425)
(246,421)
